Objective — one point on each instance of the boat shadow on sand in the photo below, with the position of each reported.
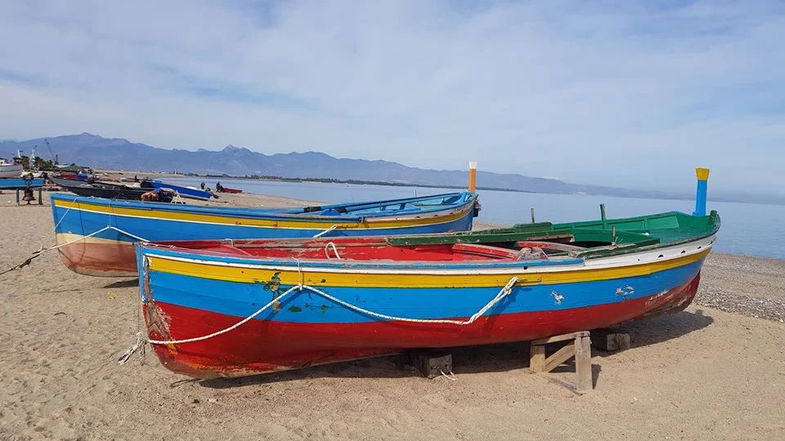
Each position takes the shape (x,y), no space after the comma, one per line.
(130,283)
(474,359)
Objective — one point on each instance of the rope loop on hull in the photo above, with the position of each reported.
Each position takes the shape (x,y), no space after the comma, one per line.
(318,235)
(43,249)
(504,292)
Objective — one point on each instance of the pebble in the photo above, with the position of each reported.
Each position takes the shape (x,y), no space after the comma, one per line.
(771,309)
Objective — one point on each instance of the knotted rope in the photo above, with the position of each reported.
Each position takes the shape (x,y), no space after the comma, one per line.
(43,249)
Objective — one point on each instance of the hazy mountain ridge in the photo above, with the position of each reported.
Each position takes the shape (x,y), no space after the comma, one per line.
(117,153)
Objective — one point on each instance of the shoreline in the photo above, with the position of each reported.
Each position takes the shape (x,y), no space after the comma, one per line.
(684,197)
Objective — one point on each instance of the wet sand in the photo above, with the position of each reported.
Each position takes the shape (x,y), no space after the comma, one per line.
(700,374)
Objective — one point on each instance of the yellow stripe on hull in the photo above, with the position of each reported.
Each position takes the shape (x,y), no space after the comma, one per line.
(370,223)
(314,277)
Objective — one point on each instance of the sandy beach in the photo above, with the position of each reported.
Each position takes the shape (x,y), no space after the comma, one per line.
(714,371)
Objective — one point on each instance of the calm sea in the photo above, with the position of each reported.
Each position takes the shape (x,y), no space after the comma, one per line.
(749,229)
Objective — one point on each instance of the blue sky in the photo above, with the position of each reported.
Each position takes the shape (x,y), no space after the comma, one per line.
(625,93)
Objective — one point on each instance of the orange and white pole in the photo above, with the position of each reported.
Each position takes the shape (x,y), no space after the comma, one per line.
(472,176)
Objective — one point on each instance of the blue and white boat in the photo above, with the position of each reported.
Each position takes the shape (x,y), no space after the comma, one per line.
(184,191)
(97,235)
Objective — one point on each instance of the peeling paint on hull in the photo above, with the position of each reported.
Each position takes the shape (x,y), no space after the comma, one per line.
(103,259)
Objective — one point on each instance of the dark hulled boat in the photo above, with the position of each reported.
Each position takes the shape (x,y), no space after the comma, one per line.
(101,189)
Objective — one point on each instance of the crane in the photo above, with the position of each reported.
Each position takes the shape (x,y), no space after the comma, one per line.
(54,157)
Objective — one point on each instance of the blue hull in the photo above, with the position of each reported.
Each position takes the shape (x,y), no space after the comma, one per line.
(101,232)
(185,192)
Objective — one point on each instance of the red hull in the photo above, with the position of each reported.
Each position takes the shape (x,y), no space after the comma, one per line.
(110,259)
(230,190)
(263,346)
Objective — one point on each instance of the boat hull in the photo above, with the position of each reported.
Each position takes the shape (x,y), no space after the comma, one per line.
(10,170)
(186,192)
(185,298)
(130,194)
(261,346)
(110,252)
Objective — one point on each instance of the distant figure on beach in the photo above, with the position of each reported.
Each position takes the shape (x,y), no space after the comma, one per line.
(136,178)
(218,187)
(202,185)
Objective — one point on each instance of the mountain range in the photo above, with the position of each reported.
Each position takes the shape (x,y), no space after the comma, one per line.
(120,154)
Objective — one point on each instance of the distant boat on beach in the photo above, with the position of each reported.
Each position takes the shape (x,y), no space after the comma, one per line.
(9,169)
(184,191)
(101,189)
(221,189)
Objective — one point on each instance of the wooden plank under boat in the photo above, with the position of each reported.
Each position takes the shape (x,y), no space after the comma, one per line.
(100,233)
(331,299)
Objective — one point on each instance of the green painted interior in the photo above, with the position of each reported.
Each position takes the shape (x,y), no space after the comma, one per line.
(600,238)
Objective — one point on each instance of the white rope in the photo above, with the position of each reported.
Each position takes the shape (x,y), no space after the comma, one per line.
(108,227)
(504,292)
(42,250)
(65,214)
(141,340)
(141,239)
(325,231)
(450,377)
(300,274)
(230,328)
(327,250)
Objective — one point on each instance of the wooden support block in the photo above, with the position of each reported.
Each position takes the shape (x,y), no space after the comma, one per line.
(580,348)
(431,363)
(610,340)
(537,358)
(583,373)
(557,358)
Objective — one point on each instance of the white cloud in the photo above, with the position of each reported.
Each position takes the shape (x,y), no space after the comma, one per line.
(623,94)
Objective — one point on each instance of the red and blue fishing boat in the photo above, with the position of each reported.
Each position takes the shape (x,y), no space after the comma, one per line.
(232,308)
(95,236)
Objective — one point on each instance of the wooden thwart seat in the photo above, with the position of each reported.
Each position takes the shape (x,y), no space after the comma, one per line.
(484,250)
(548,245)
